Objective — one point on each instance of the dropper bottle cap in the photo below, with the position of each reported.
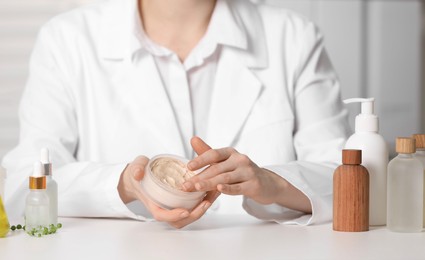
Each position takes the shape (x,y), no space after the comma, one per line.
(37,180)
(405,145)
(420,140)
(366,121)
(45,160)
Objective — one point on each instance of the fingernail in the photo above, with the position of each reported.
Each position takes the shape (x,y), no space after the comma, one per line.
(198,186)
(206,205)
(187,186)
(192,165)
(184,214)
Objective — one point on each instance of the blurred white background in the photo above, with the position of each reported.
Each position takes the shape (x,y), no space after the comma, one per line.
(375,45)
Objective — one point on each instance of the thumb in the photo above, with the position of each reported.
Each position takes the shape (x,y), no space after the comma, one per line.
(139,167)
(198,145)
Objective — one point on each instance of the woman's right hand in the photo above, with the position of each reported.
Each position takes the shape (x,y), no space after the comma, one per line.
(129,190)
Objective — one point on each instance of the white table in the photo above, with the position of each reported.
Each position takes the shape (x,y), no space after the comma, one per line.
(212,237)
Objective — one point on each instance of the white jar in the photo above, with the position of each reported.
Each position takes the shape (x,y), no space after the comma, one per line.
(164,175)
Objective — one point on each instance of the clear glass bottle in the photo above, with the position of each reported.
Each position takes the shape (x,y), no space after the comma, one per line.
(4,222)
(405,189)
(37,201)
(420,155)
(51,186)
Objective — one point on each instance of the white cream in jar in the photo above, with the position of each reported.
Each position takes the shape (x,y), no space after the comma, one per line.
(163,180)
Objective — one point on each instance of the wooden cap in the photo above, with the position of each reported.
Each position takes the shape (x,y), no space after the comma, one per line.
(405,145)
(351,156)
(420,140)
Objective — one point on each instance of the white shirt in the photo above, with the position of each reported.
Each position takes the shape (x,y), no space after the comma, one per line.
(97,100)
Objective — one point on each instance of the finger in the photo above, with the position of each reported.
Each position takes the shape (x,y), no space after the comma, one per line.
(208,173)
(212,196)
(166,215)
(214,170)
(210,157)
(232,177)
(198,145)
(233,189)
(138,166)
(138,174)
(198,211)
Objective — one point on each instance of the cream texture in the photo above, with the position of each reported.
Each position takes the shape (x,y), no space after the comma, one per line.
(171,172)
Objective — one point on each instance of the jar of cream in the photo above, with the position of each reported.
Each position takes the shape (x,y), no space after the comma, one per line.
(163,182)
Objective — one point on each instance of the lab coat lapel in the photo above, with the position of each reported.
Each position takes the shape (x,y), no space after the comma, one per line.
(236,87)
(235,92)
(139,75)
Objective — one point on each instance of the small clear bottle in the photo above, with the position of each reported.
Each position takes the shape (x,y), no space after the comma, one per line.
(405,189)
(37,201)
(51,186)
(4,222)
(420,155)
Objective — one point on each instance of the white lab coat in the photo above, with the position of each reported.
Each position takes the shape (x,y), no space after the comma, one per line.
(96,101)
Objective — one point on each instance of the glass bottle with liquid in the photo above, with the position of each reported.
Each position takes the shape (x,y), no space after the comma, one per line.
(37,201)
(4,222)
(420,155)
(405,189)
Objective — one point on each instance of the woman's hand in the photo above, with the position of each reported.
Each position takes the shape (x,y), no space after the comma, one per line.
(233,173)
(129,189)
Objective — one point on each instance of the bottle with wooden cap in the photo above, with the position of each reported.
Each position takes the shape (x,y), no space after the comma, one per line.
(351,194)
(420,155)
(37,201)
(405,189)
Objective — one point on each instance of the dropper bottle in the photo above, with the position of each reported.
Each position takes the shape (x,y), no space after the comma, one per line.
(37,201)
(51,186)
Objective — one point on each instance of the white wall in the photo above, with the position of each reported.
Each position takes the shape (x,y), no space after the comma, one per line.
(20,21)
(375,47)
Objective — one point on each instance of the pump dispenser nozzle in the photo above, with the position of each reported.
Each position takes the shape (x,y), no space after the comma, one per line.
(366,121)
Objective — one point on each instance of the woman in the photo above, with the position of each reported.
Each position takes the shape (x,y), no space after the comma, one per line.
(126,79)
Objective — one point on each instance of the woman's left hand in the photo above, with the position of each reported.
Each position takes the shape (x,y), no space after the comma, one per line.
(233,173)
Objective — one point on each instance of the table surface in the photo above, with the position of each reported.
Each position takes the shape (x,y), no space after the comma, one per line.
(212,237)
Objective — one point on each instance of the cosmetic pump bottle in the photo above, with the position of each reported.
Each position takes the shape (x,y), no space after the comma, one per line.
(351,194)
(405,189)
(374,157)
(420,155)
(37,201)
(51,186)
